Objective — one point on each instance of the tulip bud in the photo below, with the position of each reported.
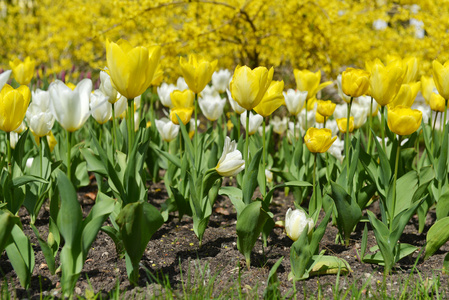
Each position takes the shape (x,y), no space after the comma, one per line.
(403,120)
(318,140)
(231,162)
(255,121)
(295,223)
(167,129)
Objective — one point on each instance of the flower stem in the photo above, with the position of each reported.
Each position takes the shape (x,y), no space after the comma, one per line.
(307,127)
(41,150)
(313,207)
(433,131)
(382,126)
(195,103)
(370,134)
(130,124)
(8,146)
(114,129)
(394,182)
(263,154)
(347,139)
(245,155)
(69,154)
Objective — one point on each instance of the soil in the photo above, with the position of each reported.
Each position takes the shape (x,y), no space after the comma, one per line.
(173,256)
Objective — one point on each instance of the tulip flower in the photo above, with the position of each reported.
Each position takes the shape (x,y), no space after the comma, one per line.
(231,162)
(342,124)
(385,82)
(342,95)
(131,69)
(255,120)
(212,106)
(39,115)
(23,71)
(221,79)
(164,92)
(100,107)
(272,99)
(184,113)
(167,129)
(13,106)
(309,81)
(319,118)
(403,120)
(318,140)
(107,88)
(158,76)
(360,114)
(235,106)
(249,86)
(197,72)
(411,66)
(181,84)
(13,139)
(336,149)
(437,102)
(294,100)
(279,125)
(355,82)
(4,77)
(325,108)
(441,78)
(182,106)
(427,87)
(406,95)
(295,223)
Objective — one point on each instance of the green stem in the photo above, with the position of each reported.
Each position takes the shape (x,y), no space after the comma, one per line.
(382,126)
(307,127)
(324,124)
(347,138)
(314,205)
(130,123)
(114,129)
(41,153)
(69,154)
(444,119)
(263,154)
(370,134)
(8,146)
(394,182)
(245,155)
(195,103)
(100,135)
(433,131)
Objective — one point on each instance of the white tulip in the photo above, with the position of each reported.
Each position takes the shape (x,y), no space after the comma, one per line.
(279,125)
(310,119)
(212,106)
(22,127)
(41,123)
(336,149)
(269,175)
(255,120)
(295,223)
(164,92)
(70,108)
(107,88)
(167,129)
(291,131)
(120,107)
(209,91)
(181,84)
(360,114)
(29,162)
(235,106)
(425,109)
(221,79)
(4,77)
(342,95)
(14,138)
(231,162)
(100,106)
(330,124)
(366,102)
(341,111)
(294,100)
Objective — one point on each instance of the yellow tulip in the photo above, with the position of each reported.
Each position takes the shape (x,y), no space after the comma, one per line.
(437,103)
(355,82)
(197,72)
(325,108)
(249,86)
(427,86)
(403,120)
(131,69)
(51,140)
(309,81)
(184,113)
(13,106)
(158,76)
(23,71)
(184,98)
(406,95)
(441,78)
(385,81)
(318,140)
(272,99)
(342,124)
(311,104)
(411,65)
(319,118)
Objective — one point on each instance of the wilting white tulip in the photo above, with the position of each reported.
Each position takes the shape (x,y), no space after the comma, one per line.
(181,84)
(100,106)
(70,108)
(279,125)
(212,106)
(235,106)
(221,79)
(295,223)
(164,92)
(255,120)
(231,162)
(4,77)
(107,88)
(342,95)
(294,100)
(167,129)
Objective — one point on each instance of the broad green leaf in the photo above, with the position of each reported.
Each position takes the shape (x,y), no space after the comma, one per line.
(7,222)
(385,173)
(250,177)
(441,174)
(301,255)
(437,236)
(382,234)
(296,183)
(442,209)
(236,197)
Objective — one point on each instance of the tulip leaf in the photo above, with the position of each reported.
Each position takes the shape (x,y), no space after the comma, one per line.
(272,290)
(406,187)
(94,163)
(138,221)
(250,177)
(382,234)
(441,174)
(349,212)
(301,255)
(437,236)
(427,132)
(294,183)
(7,222)
(442,209)
(235,195)
(249,226)
(385,173)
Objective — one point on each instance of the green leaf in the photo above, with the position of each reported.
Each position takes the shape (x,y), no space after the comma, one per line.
(349,212)
(385,174)
(437,236)
(441,174)
(382,234)
(301,255)
(272,290)
(249,226)
(442,209)
(138,221)
(7,222)
(250,177)
(47,251)
(236,197)
(269,196)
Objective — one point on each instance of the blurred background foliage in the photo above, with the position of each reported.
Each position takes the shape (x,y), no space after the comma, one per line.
(69,36)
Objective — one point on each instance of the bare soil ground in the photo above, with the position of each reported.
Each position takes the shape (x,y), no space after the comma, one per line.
(173,256)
